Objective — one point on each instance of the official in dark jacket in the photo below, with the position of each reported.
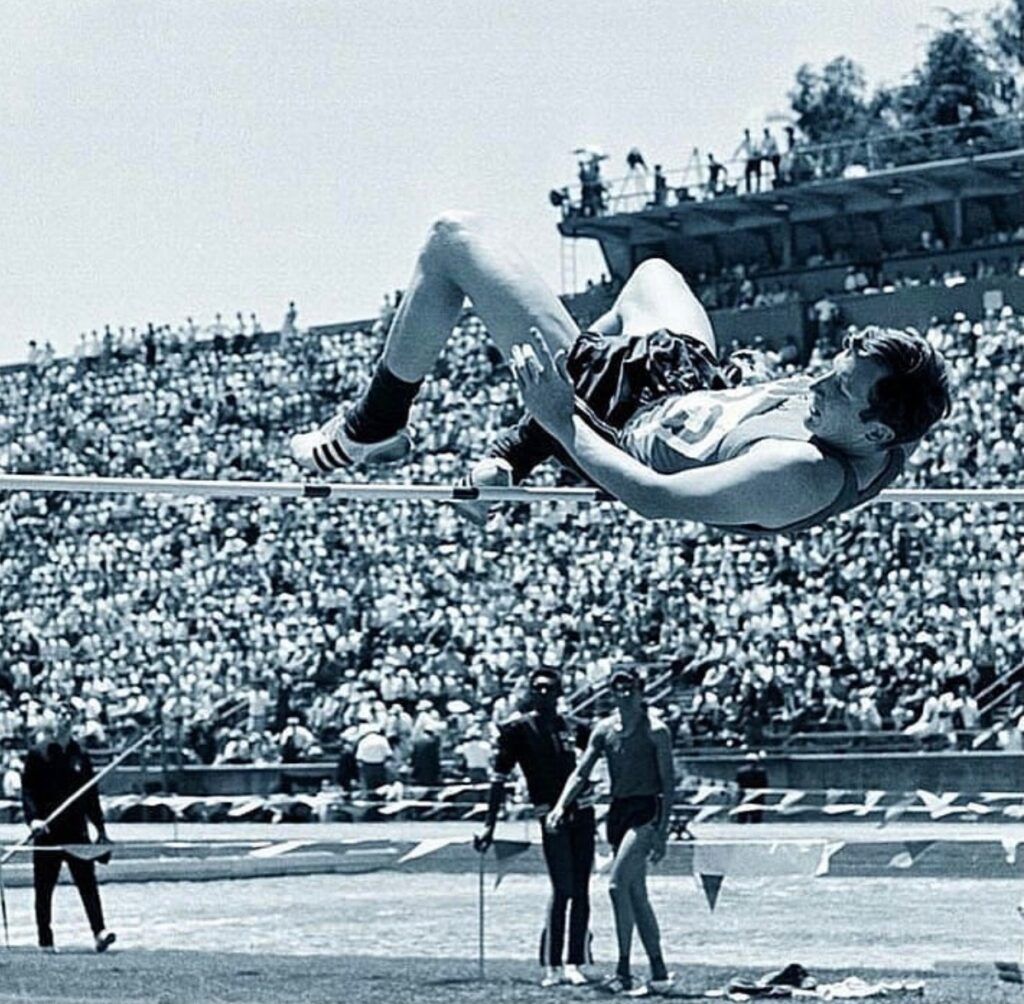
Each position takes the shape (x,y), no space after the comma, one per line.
(54,770)
(543,745)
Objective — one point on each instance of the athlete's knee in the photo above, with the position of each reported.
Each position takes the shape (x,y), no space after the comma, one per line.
(656,274)
(655,268)
(619,887)
(454,231)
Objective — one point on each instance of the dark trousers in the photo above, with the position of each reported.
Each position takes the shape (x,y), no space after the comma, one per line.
(569,855)
(45,872)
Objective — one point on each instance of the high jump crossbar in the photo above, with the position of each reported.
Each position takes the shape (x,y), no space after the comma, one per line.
(385,491)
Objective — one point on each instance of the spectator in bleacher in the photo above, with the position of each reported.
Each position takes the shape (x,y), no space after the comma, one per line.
(752,776)
(475,752)
(770,153)
(346,772)
(288,324)
(425,753)
(373,754)
(717,175)
(660,197)
(750,153)
(295,742)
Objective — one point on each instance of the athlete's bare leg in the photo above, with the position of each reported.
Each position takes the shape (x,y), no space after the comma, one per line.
(464,256)
(622,875)
(630,903)
(657,296)
(646,922)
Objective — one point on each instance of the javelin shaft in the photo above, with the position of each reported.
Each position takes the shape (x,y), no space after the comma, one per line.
(89,785)
(378,491)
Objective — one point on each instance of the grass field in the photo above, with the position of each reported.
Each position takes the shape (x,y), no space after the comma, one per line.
(208,978)
(395,937)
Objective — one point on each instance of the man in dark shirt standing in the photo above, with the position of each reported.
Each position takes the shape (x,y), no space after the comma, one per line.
(54,770)
(542,745)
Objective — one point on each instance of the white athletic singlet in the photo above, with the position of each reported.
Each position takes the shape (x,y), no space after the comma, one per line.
(682,431)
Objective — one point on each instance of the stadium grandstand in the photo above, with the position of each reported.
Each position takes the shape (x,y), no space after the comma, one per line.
(265,632)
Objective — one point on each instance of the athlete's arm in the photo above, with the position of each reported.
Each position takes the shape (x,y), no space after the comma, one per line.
(667,773)
(773,484)
(577,780)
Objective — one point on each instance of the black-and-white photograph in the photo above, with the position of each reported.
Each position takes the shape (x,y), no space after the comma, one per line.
(511,502)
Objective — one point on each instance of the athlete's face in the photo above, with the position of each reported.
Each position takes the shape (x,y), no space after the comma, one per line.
(841,397)
(544,694)
(625,694)
(63,725)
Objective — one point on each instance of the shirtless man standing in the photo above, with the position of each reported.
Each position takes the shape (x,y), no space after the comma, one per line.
(641,404)
(638,749)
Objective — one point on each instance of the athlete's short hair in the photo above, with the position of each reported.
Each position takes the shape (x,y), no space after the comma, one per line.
(548,675)
(915,393)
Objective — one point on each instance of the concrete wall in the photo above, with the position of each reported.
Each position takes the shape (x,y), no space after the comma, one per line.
(885,771)
(917,305)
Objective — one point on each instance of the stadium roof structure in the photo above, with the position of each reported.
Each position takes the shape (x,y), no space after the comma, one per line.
(921,185)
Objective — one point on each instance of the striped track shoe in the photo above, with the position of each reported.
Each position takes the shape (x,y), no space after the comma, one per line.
(330,448)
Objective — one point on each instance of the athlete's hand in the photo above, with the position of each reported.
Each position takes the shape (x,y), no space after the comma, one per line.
(482,841)
(38,827)
(659,847)
(544,383)
(554,819)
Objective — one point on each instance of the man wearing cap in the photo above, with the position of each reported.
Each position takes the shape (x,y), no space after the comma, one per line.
(54,771)
(638,749)
(541,743)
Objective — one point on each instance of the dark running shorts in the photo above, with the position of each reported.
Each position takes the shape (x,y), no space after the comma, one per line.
(629,813)
(616,375)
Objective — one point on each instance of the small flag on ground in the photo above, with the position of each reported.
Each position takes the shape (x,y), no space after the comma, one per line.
(912,853)
(712,885)
(425,847)
(504,852)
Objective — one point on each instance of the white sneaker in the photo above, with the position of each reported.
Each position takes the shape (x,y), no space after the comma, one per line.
(575,976)
(552,976)
(651,988)
(491,473)
(329,448)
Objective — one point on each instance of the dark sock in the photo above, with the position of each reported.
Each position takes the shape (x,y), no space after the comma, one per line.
(622,969)
(658,970)
(384,407)
(525,446)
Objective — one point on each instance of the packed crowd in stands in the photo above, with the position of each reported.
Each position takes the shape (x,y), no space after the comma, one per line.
(268,631)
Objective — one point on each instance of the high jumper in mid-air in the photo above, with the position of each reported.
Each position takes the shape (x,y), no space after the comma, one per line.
(641,404)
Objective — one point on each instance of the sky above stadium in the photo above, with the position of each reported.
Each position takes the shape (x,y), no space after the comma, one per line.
(165,159)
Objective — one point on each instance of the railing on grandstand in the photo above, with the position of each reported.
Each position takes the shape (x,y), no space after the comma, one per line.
(836,742)
(227,712)
(999,704)
(589,699)
(877,150)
